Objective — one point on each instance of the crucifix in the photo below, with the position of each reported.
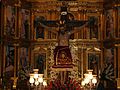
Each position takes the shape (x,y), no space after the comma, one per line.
(64,28)
(14,81)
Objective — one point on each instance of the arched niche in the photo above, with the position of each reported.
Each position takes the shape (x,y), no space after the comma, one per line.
(39,59)
(94,59)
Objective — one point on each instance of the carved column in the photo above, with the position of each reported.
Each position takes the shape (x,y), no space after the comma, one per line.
(29,55)
(85,32)
(82,61)
(102,25)
(18,22)
(118,79)
(74,53)
(15,59)
(4,57)
(1,28)
(53,71)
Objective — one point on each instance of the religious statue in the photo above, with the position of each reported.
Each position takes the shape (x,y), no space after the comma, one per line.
(64,29)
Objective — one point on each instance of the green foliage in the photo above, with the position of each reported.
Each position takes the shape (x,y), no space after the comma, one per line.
(23,73)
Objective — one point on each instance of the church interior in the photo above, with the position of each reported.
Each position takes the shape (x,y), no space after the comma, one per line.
(59,45)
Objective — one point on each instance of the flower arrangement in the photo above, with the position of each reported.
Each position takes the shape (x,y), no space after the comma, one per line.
(23,72)
(69,84)
(23,77)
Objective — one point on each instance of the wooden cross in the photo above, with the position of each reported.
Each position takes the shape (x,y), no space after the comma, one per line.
(66,20)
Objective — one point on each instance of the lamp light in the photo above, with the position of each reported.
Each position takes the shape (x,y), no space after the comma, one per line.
(31,80)
(44,83)
(86,80)
(40,79)
(89,79)
(36,76)
(36,83)
(83,83)
(37,79)
(94,80)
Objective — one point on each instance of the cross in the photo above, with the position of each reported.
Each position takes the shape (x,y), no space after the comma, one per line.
(66,22)
(64,28)
(14,81)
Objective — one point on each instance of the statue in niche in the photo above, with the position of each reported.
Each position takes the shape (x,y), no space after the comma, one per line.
(40,63)
(93,62)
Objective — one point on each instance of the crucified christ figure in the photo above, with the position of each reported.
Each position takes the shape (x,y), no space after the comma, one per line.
(63,35)
(64,28)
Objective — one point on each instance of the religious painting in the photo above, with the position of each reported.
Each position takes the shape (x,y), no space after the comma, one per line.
(93,27)
(25,23)
(118,22)
(10,21)
(40,62)
(109,24)
(9,63)
(39,30)
(23,57)
(9,66)
(93,62)
(62,57)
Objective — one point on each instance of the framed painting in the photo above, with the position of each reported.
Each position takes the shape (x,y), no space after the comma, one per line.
(25,23)
(23,57)
(38,29)
(10,21)
(9,61)
(110,25)
(94,27)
